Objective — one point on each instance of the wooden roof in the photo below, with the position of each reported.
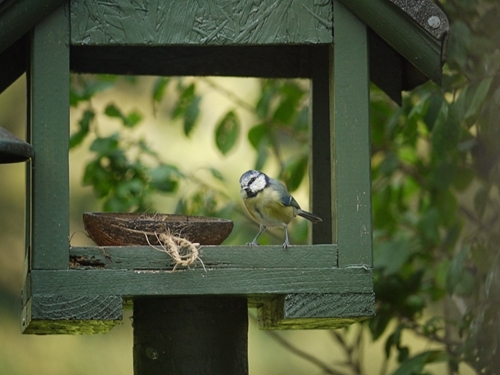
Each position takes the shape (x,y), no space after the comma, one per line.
(408,39)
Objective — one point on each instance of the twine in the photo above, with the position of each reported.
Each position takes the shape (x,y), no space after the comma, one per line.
(182,251)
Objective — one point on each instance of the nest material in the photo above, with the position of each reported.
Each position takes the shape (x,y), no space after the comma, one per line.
(182,251)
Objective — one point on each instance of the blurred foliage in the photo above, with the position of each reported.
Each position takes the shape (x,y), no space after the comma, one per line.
(436,180)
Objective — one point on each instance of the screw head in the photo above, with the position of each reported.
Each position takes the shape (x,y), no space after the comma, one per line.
(434,22)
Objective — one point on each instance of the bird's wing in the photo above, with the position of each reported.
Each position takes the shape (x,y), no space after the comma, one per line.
(288,200)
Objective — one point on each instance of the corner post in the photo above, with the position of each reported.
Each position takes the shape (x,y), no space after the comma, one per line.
(351,138)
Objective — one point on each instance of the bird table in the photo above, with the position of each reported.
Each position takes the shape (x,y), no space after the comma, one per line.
(188,320)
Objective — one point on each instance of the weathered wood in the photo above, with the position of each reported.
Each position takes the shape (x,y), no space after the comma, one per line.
(190,335)
(49,131)
(351,139)
(320,154)
(315,311)
(213,257)
(64,314)
(233,281)
(200,23)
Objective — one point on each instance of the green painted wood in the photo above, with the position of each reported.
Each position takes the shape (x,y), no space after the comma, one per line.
(315,311)
(49,117)
(320,150)
(416,44)
(351,139)
(213,257)
(234,281)
(194,22)
(190,335)
(63,314)
(17,17)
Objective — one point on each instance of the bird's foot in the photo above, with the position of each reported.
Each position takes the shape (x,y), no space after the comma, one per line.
(253,243)
(286,244)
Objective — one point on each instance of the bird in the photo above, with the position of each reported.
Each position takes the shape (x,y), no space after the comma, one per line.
(270,204)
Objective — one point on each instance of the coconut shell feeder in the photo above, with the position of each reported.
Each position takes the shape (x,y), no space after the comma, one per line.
(130,229)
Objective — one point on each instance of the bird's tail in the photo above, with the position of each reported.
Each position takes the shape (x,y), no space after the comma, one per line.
(309,216)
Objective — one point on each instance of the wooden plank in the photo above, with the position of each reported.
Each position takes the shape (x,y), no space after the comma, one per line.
(213,281)
(351,137)
(216,257)
(315,311)
(193,22)
(63,314)
(320,154)
(49,115)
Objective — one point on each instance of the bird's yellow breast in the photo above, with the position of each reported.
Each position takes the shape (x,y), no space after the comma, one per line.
(267,209)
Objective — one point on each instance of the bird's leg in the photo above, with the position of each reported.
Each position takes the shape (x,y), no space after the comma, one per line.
(254,242)
(287,243)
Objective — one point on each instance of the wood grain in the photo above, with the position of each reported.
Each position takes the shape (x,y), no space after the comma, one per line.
(242,281)
(191,22)
(315,311)
(213,257)
(74,314)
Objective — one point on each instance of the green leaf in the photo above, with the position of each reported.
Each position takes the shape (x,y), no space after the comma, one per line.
(113,111)
(391,255)
(295,171)
(429,226)
(287,108)
(164,178)
(227,132)
(435,105)
(132,119)
(159,87)
(84,124)
(262,156)
(480,91)
(256,134)
(191,115)
(415,365)
(106,145)
(129,121)
(463,178)
(185,99)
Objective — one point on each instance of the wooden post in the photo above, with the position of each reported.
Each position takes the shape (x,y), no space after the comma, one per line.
(190,335)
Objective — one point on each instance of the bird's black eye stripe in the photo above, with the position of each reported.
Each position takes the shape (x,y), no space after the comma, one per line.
(251,181)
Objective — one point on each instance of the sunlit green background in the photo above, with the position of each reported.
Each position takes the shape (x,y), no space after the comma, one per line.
(112,353)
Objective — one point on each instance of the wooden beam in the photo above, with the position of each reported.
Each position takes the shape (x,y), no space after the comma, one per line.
(213,281)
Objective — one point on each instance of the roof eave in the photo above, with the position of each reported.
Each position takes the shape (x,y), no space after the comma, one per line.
(418,30)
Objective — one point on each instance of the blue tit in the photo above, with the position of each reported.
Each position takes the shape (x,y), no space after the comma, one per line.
(270,203)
